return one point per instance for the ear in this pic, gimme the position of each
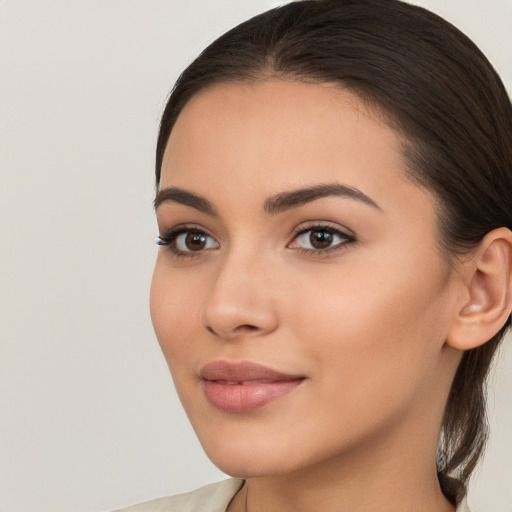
(487, 279)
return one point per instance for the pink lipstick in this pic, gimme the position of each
(243, 387)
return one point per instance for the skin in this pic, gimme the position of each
(365, 322)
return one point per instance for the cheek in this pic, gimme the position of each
(174, 313)
(371, 335)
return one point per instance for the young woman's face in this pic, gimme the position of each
(300, 297)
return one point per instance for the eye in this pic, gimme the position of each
(320, 239)
(185, 240)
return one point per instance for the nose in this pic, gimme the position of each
(241, 302)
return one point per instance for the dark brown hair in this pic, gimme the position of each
(440, 93)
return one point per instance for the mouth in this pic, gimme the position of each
(244, 387)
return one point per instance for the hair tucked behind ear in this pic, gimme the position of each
(443, 97)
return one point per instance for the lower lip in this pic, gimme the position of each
(244, 398)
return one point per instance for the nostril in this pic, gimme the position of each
(237, 331)
(246, 328)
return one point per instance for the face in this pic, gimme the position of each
(300, 297)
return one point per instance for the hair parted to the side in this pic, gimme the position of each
(443, 97)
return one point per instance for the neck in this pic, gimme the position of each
(389, 474)
(384, 488)
(355, 493)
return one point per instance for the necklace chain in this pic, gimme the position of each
(246, 496)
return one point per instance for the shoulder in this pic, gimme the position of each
(210, 498)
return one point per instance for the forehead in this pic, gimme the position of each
(285, 124)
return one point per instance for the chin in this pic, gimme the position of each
(250, 467)
(253, 454)
(249, 456)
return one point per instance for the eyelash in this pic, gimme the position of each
(325, 228)
(169, 239)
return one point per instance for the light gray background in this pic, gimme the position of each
(89, 419)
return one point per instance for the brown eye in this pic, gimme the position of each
(184, 241)
(320, 239)
(195, 241)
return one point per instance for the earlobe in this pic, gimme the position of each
(489, 288)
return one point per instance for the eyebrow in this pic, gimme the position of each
(181, 196)
(288, 200)
(276, 204)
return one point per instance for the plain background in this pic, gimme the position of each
(89, 418)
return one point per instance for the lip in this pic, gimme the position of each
(243, 387)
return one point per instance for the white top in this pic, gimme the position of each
(211, 498)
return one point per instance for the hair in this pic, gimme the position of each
(444, 99)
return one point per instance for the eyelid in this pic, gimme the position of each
(169, 238)
(323, 224)
(336, 229)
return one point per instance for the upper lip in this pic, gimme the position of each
(243, 371)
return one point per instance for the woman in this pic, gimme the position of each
(333, 201)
